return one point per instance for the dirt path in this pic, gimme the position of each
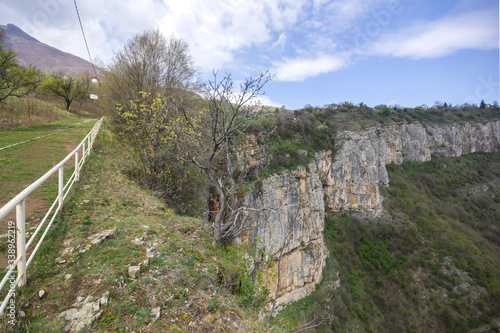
(56, 131)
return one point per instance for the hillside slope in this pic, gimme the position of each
(46, 58)
(117, 260)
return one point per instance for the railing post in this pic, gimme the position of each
(83, 152)
(61, 185)
(21, 241)
(77, 170)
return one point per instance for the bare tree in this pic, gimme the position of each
(211, 135)
(315, 322)
(150, 63)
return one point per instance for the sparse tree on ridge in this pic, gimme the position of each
(66, 87)
(438, 104)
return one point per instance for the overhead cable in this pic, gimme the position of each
(85, 39)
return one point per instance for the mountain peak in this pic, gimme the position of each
(16, 33)
(44, 57)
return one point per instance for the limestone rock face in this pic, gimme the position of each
(352, 181)
(287, 227)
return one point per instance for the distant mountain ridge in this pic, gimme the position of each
(46, 58)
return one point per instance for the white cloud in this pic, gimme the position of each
(107, 24)
(348, 9)
(302, 68)
(219, 31)
(265, 100)
(475, 30)
(216, 30)
(330, 18)
(280, 43)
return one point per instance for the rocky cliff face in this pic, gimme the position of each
(288, 216)
(287, 227)
(352, 181)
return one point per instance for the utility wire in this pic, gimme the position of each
(85, 39)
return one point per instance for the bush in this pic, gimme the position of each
(235, 274)
(375, 254)
(296, 137)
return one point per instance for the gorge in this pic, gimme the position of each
(291, 230)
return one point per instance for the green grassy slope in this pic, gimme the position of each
(195, 284)
(34, 109)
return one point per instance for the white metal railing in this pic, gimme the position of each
(19, 203)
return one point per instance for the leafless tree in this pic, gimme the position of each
(211, 135)
(150, 63)
(315, 322)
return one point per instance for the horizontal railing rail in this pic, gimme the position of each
(17, 257)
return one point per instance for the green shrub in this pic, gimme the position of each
(295, 139)
(235, 274)
(375, 254)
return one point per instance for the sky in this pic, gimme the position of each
(394, 52)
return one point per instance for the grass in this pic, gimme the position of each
(23, 164)
(186, 269)
(14, 136)
(35, 110)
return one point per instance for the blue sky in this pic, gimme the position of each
(377, 52)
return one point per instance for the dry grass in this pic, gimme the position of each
(35, 110)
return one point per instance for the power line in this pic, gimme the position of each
(85, 39)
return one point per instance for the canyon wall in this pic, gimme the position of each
(288, 208)
(352, 181)
(287, 226)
